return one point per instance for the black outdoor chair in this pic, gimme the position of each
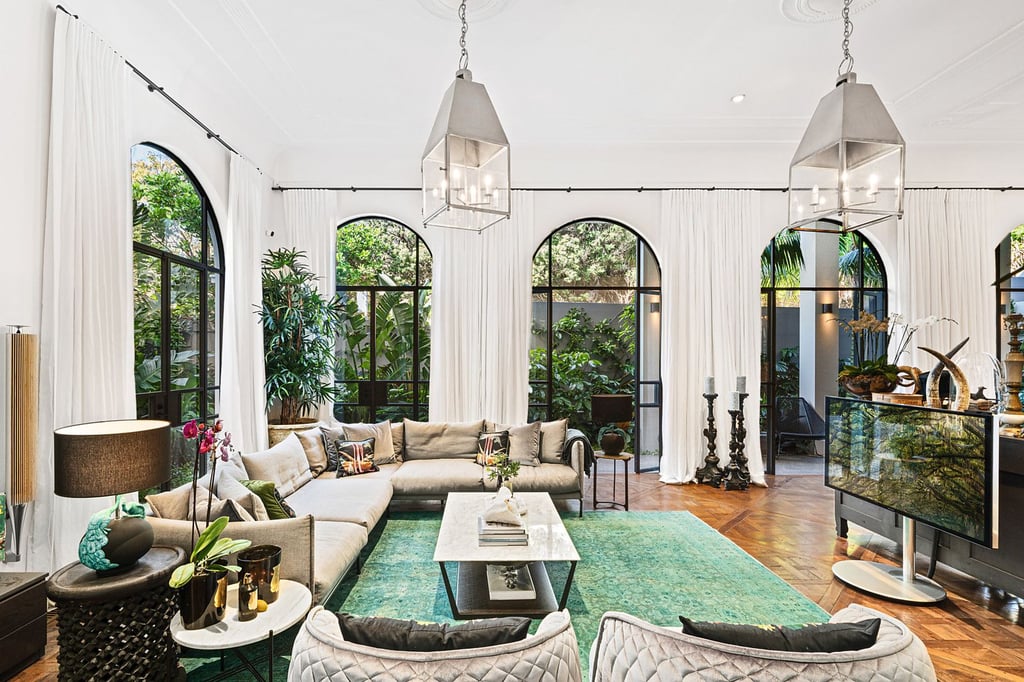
(797, 420)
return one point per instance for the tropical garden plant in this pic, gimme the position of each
(300, 328)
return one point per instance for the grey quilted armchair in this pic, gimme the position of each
(320, 654)
(628, 649)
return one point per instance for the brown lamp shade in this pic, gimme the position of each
(611, 409)
(111, 457)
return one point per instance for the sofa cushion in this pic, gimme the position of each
(441, 440)
(411, 635)
(336, 546)
(818, 637)
(217, 508)
(384, 447)
(229, 487)
(362, 500)
(173, 504)
(552, 440)
(398, 440)
(285, 464)
(547, 478)
(355, 457)
(435, 478)
(524, 442)
(268, 493)
(313, 445)
(490, 446)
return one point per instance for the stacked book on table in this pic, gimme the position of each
(491, 534)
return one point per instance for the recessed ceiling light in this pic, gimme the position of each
(736, 99)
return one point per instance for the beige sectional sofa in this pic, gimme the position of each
(334, 515)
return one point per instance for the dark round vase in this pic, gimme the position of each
(203, 600)
(128, 539)
(612, 443)
(263, 562)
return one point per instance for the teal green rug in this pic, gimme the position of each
(654, 565)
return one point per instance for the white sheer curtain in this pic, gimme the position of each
(711, 319)
(87, 330)
(480, 320)
(310, 225)
(505, 311)
(942, 263)
(242, 395)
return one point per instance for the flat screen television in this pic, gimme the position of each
(937, 467)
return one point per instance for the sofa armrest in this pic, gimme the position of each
(576, 462)
(293, 536)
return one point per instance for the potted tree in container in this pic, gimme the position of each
(300, 329)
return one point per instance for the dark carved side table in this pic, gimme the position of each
(22, 620)
(116, 627)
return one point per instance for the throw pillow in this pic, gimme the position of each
(824, 637)
(441, 440)
(398, 439)
(229, 508)
(229, 487)
(173, 504)
(276, 507)
(355, 457)
(408, 635)
(490, 446)
(524, 442)
(384, 447)
(285, 464)
(313, 445)
(552, 440)
(331, 436)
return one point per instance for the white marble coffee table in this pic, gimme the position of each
(457, 542)
(291, 606)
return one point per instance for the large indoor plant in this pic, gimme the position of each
(300, 330)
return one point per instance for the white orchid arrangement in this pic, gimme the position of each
(902, 331)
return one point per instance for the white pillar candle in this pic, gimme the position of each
(734, 404)
(741, 384)
(709, 385)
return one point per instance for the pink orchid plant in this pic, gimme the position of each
(212, 441)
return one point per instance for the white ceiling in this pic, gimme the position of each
(332, 76)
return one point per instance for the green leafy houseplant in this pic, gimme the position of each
(208, 553)
(869, 368)
(300, 328)
(503, 469)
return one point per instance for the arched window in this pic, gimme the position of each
(383, 280)
(807, 280)
(1009, 283)
(597, 329)
(179, 277)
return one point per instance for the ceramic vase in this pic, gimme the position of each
(203, 600)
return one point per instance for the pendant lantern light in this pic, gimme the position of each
(466, 161)
(849, 167)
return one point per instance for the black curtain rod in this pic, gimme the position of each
(153, 87)
(569, 190)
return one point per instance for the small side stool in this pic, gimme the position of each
(116, 627)
(625, 458)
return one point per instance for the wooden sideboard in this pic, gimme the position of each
(1002, 568)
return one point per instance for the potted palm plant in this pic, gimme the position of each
(300, 330)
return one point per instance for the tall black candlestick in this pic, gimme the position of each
(710, 473)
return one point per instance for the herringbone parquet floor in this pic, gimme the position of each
(976, 634)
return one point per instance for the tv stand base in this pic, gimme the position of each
(886, 581)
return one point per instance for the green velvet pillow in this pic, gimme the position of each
(277, 508)
(824, 637)
(409, 635)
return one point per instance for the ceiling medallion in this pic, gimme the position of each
(813, 11)
(479, 11)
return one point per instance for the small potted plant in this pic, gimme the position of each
(202, 582)
(300, 330)
(503, 469)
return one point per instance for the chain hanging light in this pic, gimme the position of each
(466, 161)
(848, 168)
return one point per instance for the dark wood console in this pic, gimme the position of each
(1002, 568)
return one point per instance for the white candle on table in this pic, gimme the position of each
(741, 384)
(709, 385)
(734, 404)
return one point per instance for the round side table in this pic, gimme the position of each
(623, 457)
(115, 627)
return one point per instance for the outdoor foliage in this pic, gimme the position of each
(299, 331)
(591, 254)
(587, 359)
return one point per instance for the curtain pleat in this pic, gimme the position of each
(311, 225)
(242, 394)
(87, 328)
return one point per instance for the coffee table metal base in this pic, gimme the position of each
(471, 599)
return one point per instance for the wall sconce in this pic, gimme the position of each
(655, 306)
(826, 308)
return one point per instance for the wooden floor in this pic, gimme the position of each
(975, 634)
